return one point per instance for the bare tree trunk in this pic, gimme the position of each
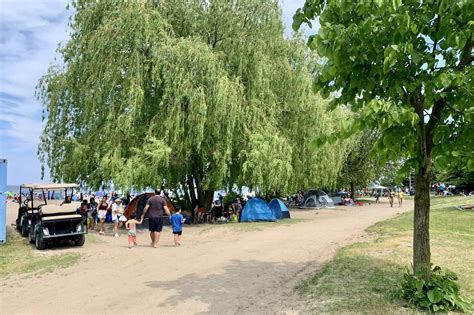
(192, 192)
(208, 196)
(421, 223)
(353, 188)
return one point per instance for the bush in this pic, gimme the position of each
(439, 294)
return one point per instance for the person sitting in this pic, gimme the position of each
(66, 200)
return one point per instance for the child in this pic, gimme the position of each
(131, 226)
(177, 221)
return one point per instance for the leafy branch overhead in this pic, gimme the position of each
(205, 93)
(399, 62)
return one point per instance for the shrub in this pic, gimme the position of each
(439, 293)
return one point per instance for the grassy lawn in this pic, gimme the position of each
(364, 277)
(19, 256)
(250, 226)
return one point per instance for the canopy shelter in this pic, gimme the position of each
(46, 186)
(138, 204)
(279, 209)
(257, 210)
(377, 186)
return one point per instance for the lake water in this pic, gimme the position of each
(13, 188)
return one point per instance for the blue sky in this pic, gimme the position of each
(30, 31)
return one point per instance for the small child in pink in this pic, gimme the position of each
(131, 226)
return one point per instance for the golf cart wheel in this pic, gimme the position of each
(24, 230)
(30, 238)
(40, 244)
(80, 241)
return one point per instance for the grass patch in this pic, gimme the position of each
(19, 256)
(250, 226)
(365, 277)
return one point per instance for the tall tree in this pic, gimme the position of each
(360, 167)
(404, 67)
(195, 94)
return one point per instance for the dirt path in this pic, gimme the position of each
(218, 270)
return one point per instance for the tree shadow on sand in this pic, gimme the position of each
(244, 287)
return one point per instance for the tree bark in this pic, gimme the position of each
(208, 196)
(192, 192)
(353, 190)
(421, 223)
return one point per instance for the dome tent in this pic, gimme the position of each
(280, 211)
(317, 199)
(256, 210)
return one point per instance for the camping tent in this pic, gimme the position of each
(256, 210)
(280, 211)
(138, 204)
(317, 199)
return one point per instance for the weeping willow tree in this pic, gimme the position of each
(196, 94)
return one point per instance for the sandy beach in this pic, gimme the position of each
(220, 269)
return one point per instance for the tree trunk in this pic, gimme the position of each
(353, 188)
(208, 196)
(192, 192)
(421, 222)
(199, 190)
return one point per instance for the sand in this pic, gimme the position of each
(219, 269)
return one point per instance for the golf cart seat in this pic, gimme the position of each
(55, 209)
(62, 217)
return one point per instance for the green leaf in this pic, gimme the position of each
(445, 80)
(434, 295)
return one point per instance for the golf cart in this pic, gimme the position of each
(46, 214)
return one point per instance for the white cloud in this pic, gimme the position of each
(30, 32)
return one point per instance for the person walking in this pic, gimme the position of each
(390, 198)
(102, 214)
(400, 198)
(116, 214)
(158, 210)
(131, 226)
(177, 221)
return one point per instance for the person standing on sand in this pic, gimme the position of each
(102, 214)
(116, 214)
(401, 195)
(158, 209)
(390, 198)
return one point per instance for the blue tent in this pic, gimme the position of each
(280, 211)
(256, 210)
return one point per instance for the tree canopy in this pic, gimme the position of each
(196, 94)
(404, 67)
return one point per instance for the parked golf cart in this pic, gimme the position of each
(46, 214)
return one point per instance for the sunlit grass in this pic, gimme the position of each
(364, 277)
(18, 256)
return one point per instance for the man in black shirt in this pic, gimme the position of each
(158, 209)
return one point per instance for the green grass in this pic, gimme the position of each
(365, 277)
(17, 256)
(250, 226)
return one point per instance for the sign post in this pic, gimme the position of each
(3, 201)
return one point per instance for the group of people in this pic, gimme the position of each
(220, 212)
(96, 213)
(399, 195)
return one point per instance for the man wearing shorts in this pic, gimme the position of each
(158, 210)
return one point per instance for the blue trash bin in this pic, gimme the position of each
(3, 201)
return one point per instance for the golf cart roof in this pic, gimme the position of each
(49, 186)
